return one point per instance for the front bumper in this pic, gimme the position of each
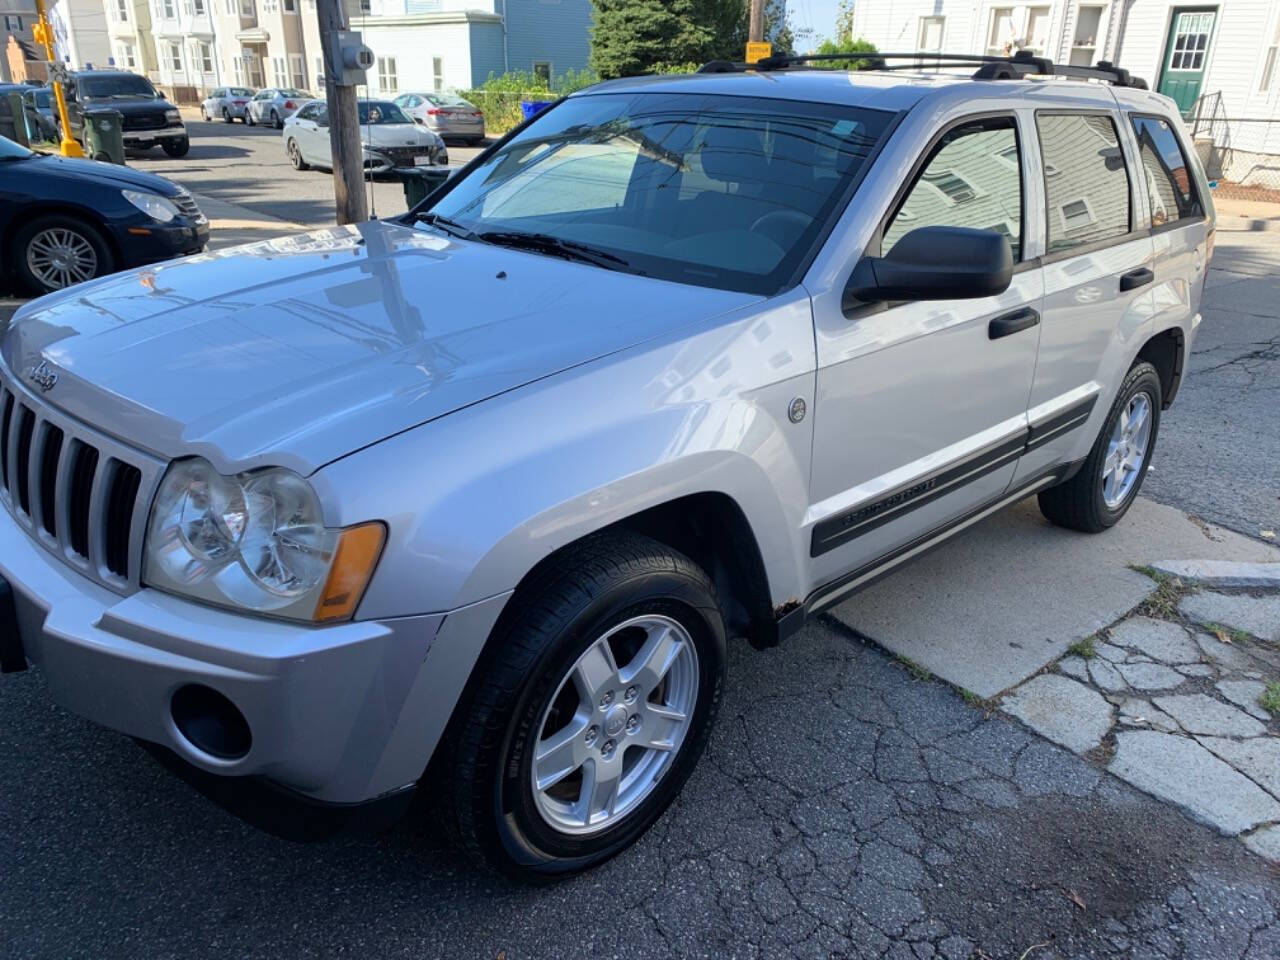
(340, 714)
(138, 138)
(162, 242)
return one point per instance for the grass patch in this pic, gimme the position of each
(1269, 699)
(1086, 648)
(1162, 603)
(1229, 634)
(913, 668)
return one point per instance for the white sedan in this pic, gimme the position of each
(390, 139)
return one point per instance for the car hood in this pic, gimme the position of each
(300, 350)
(396, 135)
(70, 168)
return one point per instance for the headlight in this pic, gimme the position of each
(153, 205)
(257, 542)
(173, 116)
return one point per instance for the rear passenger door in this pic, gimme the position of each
(921, 406)
(1098, 276)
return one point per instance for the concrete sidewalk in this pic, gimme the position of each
(231, 224)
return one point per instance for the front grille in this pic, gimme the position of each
(144, 121)
(404, 154)
(77, 492)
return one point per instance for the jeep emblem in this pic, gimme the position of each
(42, 376)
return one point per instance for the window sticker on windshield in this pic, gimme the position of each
(842, 128)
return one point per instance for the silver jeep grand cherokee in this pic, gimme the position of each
(473, 500)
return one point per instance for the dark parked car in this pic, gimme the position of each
(39, 125)
(149, 119)
(63, 221)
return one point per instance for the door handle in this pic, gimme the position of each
(1011, 323)
(1136, 278)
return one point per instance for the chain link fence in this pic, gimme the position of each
(1241, 153)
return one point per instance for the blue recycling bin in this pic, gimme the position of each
(530, 107)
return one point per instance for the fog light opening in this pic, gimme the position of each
(211, 722)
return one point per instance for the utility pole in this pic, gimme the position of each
(344, 118)
(43, 34)
(755, 25)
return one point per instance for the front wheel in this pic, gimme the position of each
(589, 709)
(57, 251)
(177, 148)
(226, 115)
(1108, 483)
(248, 118)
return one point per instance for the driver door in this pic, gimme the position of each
(921, 406)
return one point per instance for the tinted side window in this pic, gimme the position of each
(972, 179)
(1085, 182)
(308, 112)
(1173, 192)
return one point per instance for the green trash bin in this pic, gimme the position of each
(13, 119)
(419, 182)
(104, 135)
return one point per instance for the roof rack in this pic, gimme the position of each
(1017, 66)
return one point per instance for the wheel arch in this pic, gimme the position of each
(1166, 352)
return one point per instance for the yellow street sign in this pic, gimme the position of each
(758, 51)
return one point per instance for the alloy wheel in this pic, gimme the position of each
(59, 257)
(614, 725)
(1126, 450)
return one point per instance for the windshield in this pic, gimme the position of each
(719, 191)
(117, 85)
(240, 92)
(12, 151)
(381, 111)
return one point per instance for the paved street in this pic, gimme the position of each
(850, 805)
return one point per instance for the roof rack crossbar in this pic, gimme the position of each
(1016, 66)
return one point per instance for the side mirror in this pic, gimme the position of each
(934, 263)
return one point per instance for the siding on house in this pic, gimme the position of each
(547, 31)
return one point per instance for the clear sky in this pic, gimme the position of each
(818, 14)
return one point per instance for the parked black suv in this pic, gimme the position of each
(149, 119)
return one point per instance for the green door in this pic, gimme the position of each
(1186, 54)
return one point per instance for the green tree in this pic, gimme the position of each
(630, 37)
(846, 46)
(844, 21)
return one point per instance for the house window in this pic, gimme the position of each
(278, 75)
(1036, 36)
(1001, 35)
(237, 69)
(206, 57)
(270, 6)
(1269, 61)
(387, 75)
(248, 8)
(198, 6)
(956, 187)
(437, 73)
(231, 7)
(296, 69)
(290, 6)
(320, 84)
(542, 68)
(1076, 214)
(175, 58)
(170, 10)
(124, 51)
(120, 11)
(931, 30)
(366, 6)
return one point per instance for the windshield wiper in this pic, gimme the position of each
(451, 227)
(556, 246)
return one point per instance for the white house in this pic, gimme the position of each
(1218, 59)
(80, 33)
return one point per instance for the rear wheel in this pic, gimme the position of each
(57, 251)
(275, 121)
(1108, 483)
(590, 707)
(226, 115)
(248, 118)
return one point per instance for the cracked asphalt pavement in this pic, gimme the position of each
(1219, 443)
(844, 809)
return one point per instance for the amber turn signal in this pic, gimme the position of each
(354, 561)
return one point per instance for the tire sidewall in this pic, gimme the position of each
(1141, 379)
(525, 838)
(106, 259)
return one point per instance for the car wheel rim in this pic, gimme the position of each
(59, 257)
(611, 732)
(293, 154)
(1126, 450)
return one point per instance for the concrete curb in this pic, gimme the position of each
(1223, 573)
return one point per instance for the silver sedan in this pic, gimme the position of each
(229, 103)
(389, 139)
(446, 114)
(274, 105)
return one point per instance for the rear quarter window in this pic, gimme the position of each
(1170, 185)
(1086, 183)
